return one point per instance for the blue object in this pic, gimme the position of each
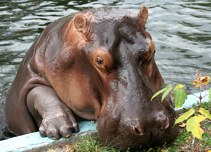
(34, 140)
(194, 98)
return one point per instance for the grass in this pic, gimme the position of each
(90, 143)
(184, 142)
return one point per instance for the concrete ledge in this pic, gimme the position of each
(34, 140)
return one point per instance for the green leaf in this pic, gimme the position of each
(180, 95)
(167, 91)
(179, 86)
(210, 94)
(158, 93)
(193, 126)
(205, 113)
(185, 116)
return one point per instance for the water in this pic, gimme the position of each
(181, 31)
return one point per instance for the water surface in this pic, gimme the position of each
(180, 29)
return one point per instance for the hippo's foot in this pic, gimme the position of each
(59, 124)
(53, 117)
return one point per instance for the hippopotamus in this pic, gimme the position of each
(97, 64)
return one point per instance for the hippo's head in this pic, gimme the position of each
(112, 77)
(128, 117)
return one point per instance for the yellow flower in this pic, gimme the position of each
(205, 80)
(196, 83)
(199, 81)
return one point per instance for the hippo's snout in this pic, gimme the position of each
(160, 123)
(129, 122)
(135, 133)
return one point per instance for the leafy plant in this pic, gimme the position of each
(194, 116)
(180, 94)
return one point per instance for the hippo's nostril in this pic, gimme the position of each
(166, 123)
(138, 130)
(163, 120)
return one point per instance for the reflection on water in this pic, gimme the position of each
(181, 31)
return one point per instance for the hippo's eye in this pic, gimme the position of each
(99, 60)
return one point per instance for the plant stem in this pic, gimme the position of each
(192, 144)
(197, 146)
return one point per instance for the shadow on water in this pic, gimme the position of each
(180, 29)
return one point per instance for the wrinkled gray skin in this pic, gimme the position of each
(97, 65)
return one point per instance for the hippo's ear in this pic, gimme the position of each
(80, 23)
(143, 15)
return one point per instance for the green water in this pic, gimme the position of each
(181, 31)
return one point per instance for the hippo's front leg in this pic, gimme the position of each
(52, 116)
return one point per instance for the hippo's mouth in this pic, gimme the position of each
(112, 133)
